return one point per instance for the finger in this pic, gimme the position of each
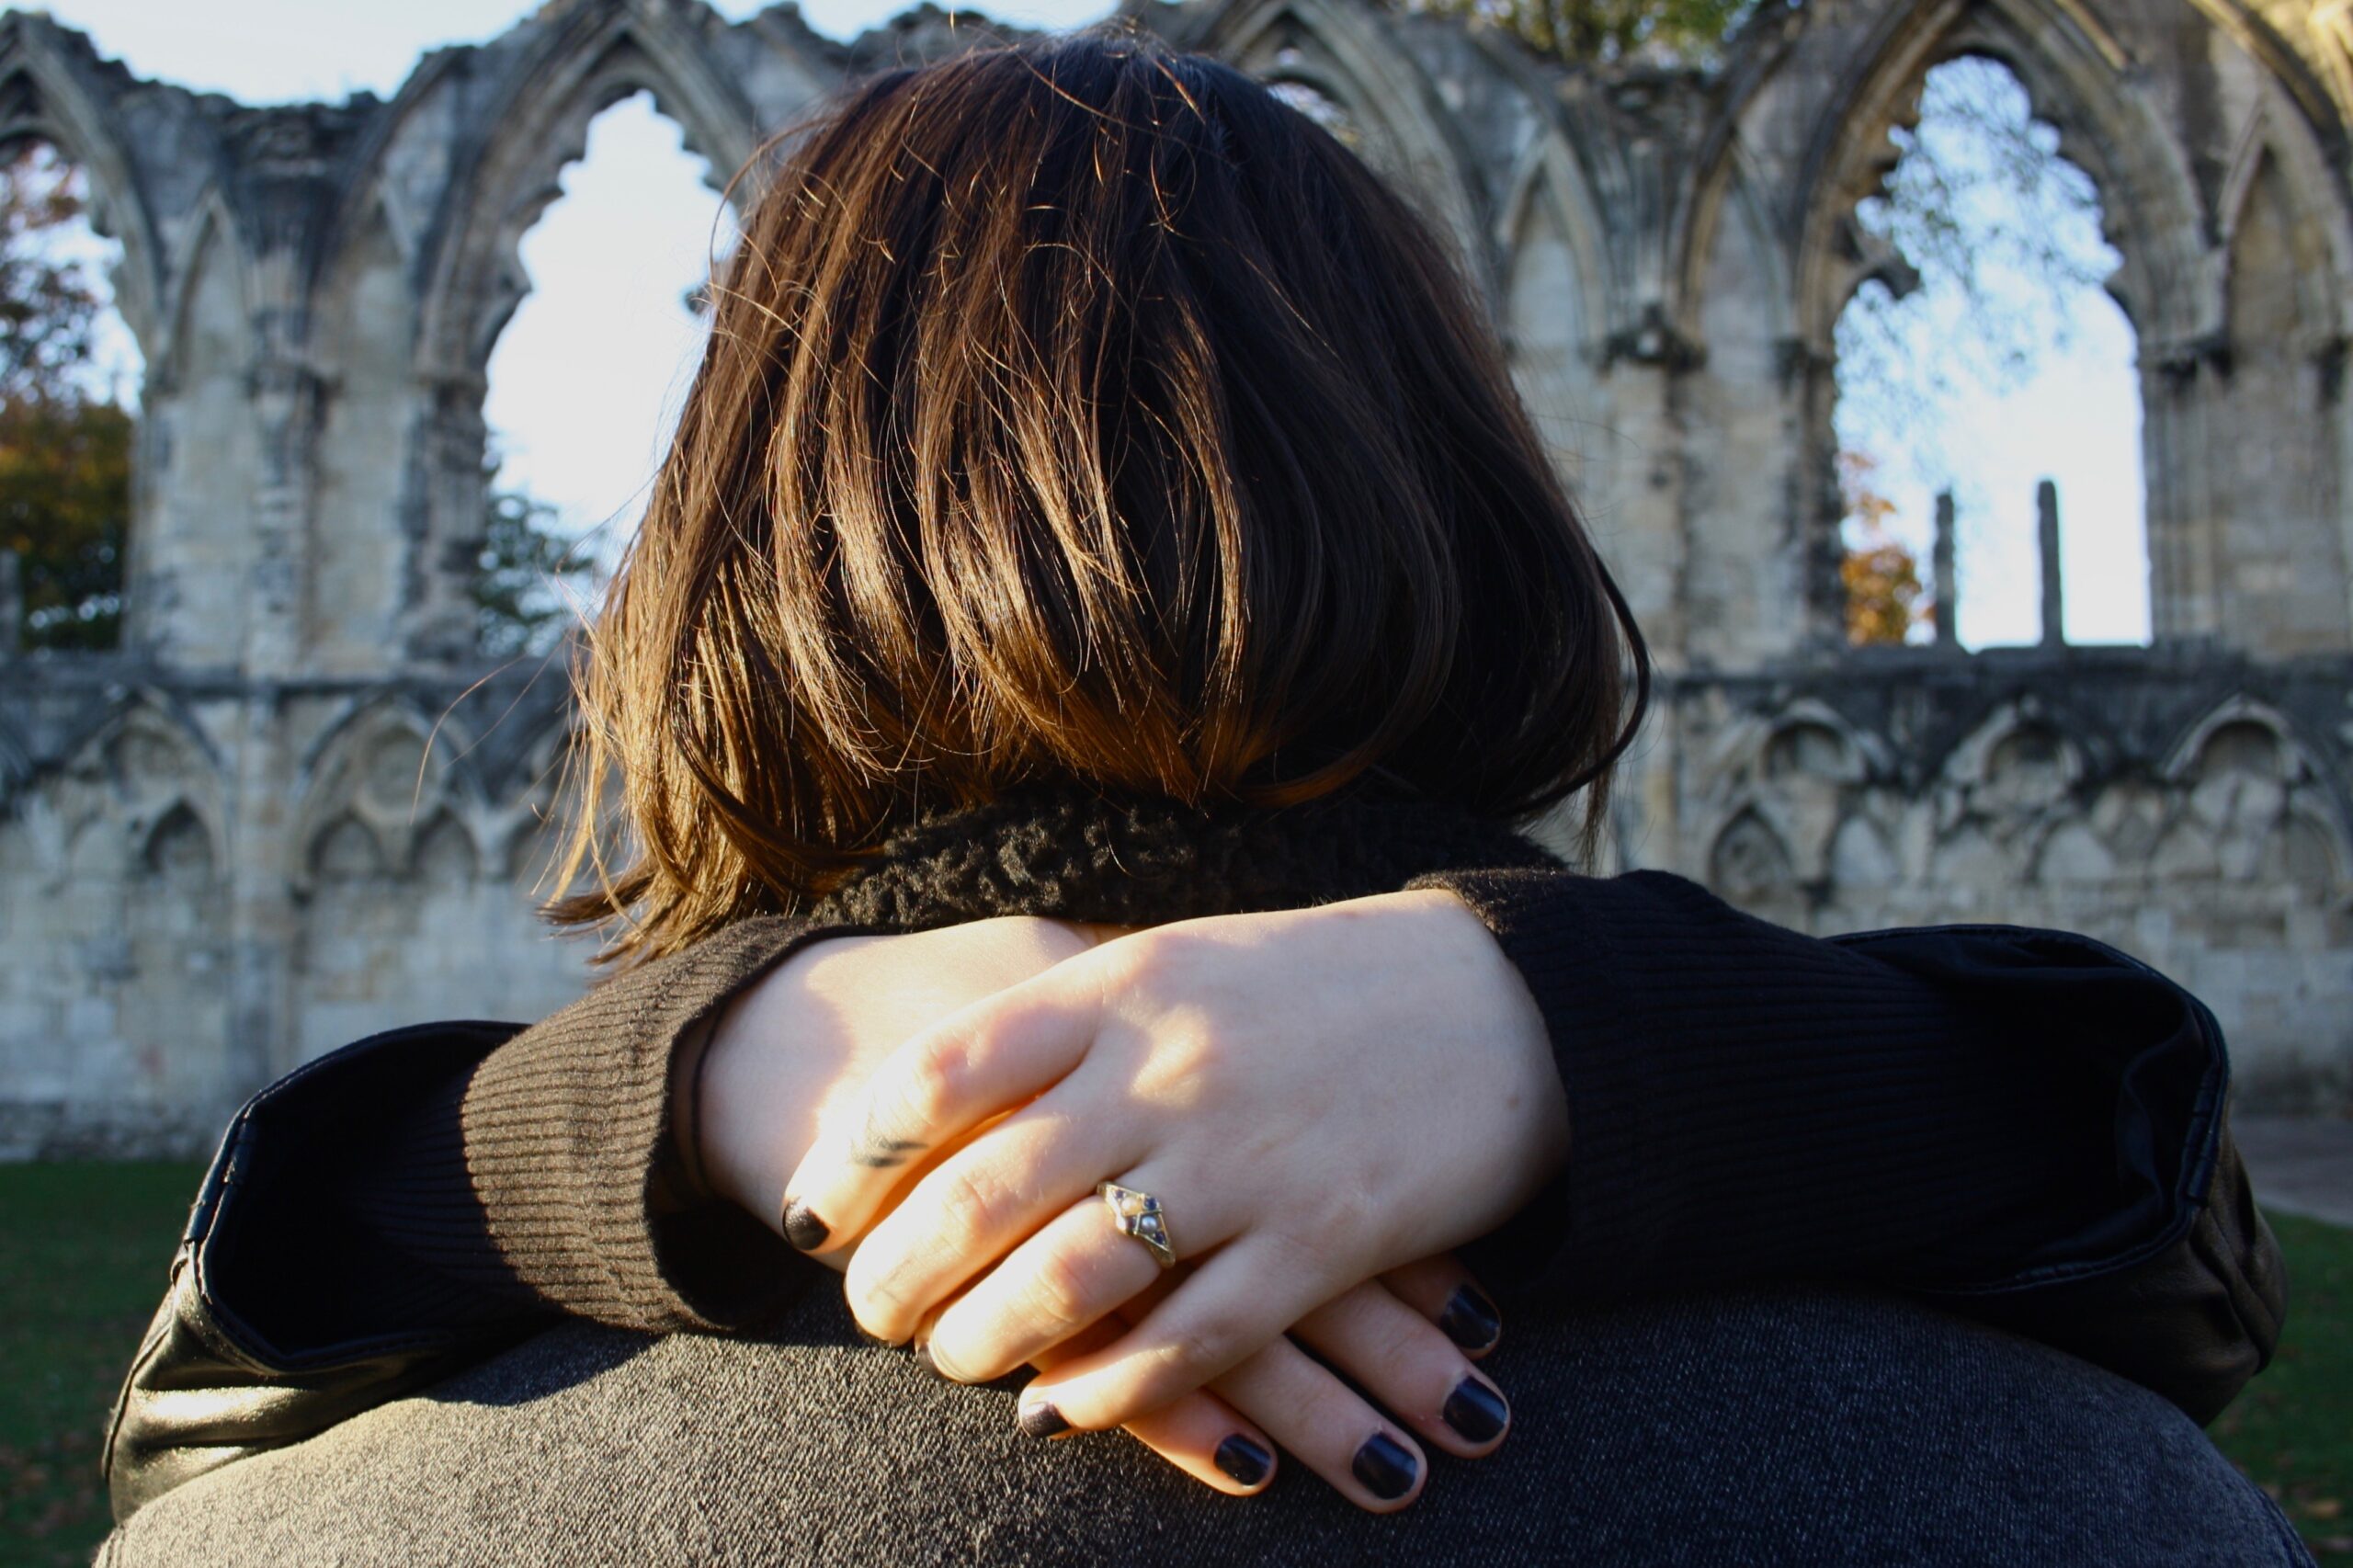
(1321, 1422)
(988, 1200)
(1230, 1307)
(1073, 1273)
(986, 1059)
(1210, 1441)
(1409, 1368)
(1442, 1291)
(1201, 1434)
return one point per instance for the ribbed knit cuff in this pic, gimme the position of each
(1596, 1211)
(567, 1134)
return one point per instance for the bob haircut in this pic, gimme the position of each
(1079, 411)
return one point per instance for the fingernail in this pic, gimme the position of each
(801, 1228)
(1245, 1461)
(1385, 1466)
(1041, 1420)
(1475, 1411)
(1470, 1320)
(921, 1350)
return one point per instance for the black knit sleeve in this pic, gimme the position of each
(1942, 1108)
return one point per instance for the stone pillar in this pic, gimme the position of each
(1948, 575)
(12, 603)
(288, 396)
(445, 522)
(2046, 531)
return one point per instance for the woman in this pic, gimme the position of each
(1102, 500)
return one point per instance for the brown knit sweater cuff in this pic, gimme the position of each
(567, 1135)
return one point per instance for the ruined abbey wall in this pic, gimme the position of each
(297, 807)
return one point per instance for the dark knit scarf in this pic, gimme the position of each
(1077, 854)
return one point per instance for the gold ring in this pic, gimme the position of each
(1139, 1214)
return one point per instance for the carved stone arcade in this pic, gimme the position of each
(297, 807)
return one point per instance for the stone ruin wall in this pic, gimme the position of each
(297, 807)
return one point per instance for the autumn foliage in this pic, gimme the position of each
(1882, 577)
(66, 440)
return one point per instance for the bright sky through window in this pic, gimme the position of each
(585, 381)
(2009, 364)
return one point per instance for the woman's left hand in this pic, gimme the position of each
(1315, 1096)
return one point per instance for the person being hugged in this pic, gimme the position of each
(1051, 771)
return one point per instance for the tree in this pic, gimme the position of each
(65, 439)
(64, 493)
(1607, 29)
(1882, 577)
(530, 580)
(1998, 239)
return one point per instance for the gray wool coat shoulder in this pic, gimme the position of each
(1778, 1427)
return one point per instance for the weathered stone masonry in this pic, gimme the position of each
(291, 810)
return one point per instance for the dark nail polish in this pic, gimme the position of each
(801, 1228)
(1041, 1420)
(1385, 1466)
(1475, 1411)
(1244, 1459)
(1470, 1320)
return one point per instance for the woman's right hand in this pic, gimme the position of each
(806, 1036)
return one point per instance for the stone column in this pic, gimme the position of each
(12, 603)
(1948, 575)
(2046, 531)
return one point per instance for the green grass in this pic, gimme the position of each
(2293, 1430)
(84, 1253)
(85, 1250)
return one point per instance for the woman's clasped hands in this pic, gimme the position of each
(1323, 1102)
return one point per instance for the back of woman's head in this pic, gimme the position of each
(1078, 412)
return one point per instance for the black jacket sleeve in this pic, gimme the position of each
(404, 1206)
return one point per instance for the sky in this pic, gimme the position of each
(634, 232)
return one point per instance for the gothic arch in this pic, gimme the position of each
(43, 93)
(2188, 750)
(143, 766)
(2323, 97)
(1548, 187)
(1732, 190)
(209, 239)
(1807, 737)
(382, 782)
(2281, 332)
(594, 57)
(1349, 55)
(2251, 803)
(2001, 741)
(1750, 862)
(2269, 165)
(2075, 78)
(151, 710)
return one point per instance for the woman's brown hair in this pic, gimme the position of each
(1079, 411)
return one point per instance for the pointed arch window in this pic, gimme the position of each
(585, 381)
(70, 382)
(1981, 356)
